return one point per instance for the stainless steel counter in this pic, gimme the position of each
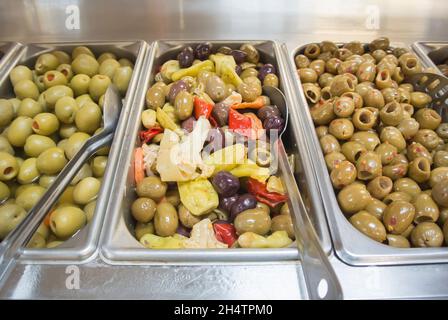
(293, 22)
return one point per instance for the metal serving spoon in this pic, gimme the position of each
(19, 237)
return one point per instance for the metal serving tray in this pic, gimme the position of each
(7, 50)
(350, 245)
(422, 48)
(118, 244)
(83, 245)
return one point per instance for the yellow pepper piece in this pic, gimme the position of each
(193, 70)
(151, 241)
(279, 239)
(198, 196)
(250, 169)
(227, 158)
(275, 185)
(165, 120)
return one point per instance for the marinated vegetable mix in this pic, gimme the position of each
(58, 106)
(384, 148)
(203, 168)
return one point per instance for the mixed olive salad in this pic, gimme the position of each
(203, 165)
(385, 148)
(58, 106)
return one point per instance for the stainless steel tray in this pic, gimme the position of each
(83, 245)
(7, 50)
(350, 245)
(118, 244)
(422, 48)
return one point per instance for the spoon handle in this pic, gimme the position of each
(19, 237)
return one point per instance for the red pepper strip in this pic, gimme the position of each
(261, 193)
(225, 233)
(202, 108)
(257, 126)
(256, 104)
(240, 123)
(147, 135)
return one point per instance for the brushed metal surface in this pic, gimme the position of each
(422, 48)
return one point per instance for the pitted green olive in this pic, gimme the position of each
(367, 139)
(408, 186)
(368, 165)
(352, 150)
(353, 198)
(369, 225)
(398, 216)
(376, 207)
(397, 241)
(253, 220)
(343, 174)
(380, 187)
(329, 144)
(332, 159)
(166, 219)
(427, 234)
(425, 208)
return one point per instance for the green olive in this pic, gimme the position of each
(143, 209)
(80, 84)
(99, 164)
(10, 216)
(88, 118)
(253, 220)
(43, 230)
(67, 196)
(364, 119)
(125, 63)
(343, 174)
(20, 73)
(397, 241)
(329, 144)
(368, 165)
(427, 234)
(65, 109)
(380, 187)
(369, 225)
(398, 216)
(46, 62)
(9, 167)
(215, 88)
(5, 146)
(46, 180)
(143, 228)
(85, 64)
(353, 198)
(66, 221)
(30, 196)
(183, 105)
(342, 129)
(250, 89)
(437, 175)
(417, 150)
(53, 94)
(45, 124)
(428, 118)
(420, 169)
(26, 89)
(301, 61)
(408, 128)
(98, 86)
(121, 78)
(307, 75)
(6, 112)
(186, 218)
(166, 219)
(173, 197)
(270, 80)
(28, 171)
(441, 158)
(5, 192)
(368, 140)
(387, 152)
(152, 187)
(84, 172)
(408, 186)
(29, 108)
(321, 131)
(425, 208)
(155, 97)
(74, 143)
(332, 159)
(376, 207)
(420, 99)
(86, 190)
(51, 161)
(89, 210)
(343, 106)
(393, 136)
(108, 67)
(37, 242)
(66, 70)
(53, 78)
(36, 144)
(283, 222)
(322, 114)
(341, 84)
(352, 150)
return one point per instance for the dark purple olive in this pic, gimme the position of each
(220, 113)
(273, 123)
(186, 57)
(226, 204)
(238, 69)
(245, 202)
(176, 87)
(188, 124)
(216, 139)
(265, 70)
(239, 56)
(267, 112)
(203, 50)
(182, 230)
(225, 50)
(225, 183)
